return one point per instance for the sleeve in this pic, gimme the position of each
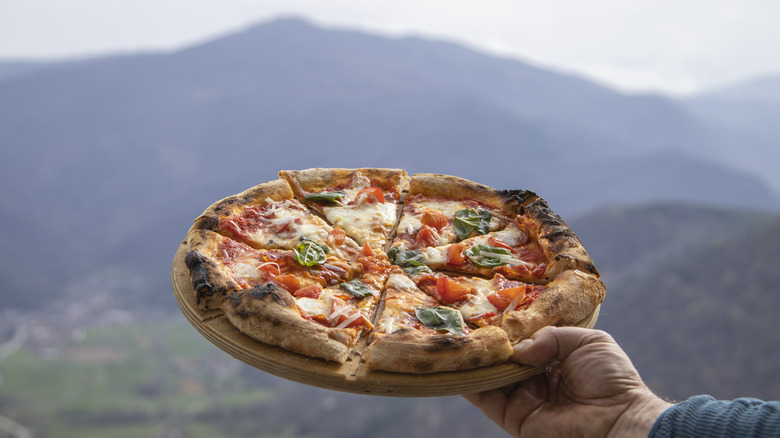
(702, 415)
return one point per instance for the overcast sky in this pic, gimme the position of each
(670, 46)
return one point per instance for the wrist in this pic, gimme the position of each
(639, 417)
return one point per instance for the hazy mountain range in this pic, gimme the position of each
(105, 162)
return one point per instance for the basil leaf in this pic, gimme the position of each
(410, 260)
(356, 288)
(467, 221)
(441, 318)
(310, 253)
(412, 256)
(392, 253)
(415, 269)
(488, 256)
(325, 196)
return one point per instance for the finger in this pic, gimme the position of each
(523, 402)
(555, 343)
(492, 403)
(510, 406)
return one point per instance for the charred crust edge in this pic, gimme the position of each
(199, 274)
(277, 293)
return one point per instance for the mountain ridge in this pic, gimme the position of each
(119, 154)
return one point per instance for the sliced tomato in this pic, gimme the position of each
(311, 291)
(370, 195)
(289, 282)
(427, 236)
(455, 255)
(505, 297)
(434, 218)
(450, 291)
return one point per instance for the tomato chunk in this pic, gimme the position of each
(338, 235)
(311, 291)
(366, 251)
(434, 218)
(289, 282)
(455, 255)
(427, 236)
(450, 291)
(506, 297)
(370, 195)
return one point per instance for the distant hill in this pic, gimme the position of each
(750, 110)
(692, 296)
(107, 161)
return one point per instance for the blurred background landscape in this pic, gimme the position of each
(106, 160)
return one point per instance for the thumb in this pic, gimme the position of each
(555, 343)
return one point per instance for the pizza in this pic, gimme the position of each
(409, 274)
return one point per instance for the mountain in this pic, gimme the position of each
(750, 111)
(106, 161)
(691, 295)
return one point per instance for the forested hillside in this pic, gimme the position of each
(693, 295)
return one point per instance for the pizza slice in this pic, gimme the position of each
(481, 301)
(323, 322)
(519, 308)
(268, 216)
(272, 315)
(362, 202)
(443, 209)
(535, 247)
(327, 296)
(416, 334)
(219, 265)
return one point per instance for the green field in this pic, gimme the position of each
(159, 379)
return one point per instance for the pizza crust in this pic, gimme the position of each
(210, 279)
(318, 179)
(410, 351)
(258, 196)
(568, 299)
(269, 314)
(561, 246)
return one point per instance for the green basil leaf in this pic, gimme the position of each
(441, 318)
(332, 196)
(356, 288)
(415, 269)
(410, 256)
(488, 256)
(410, 260)
(467, 221)
(392, 253)
(310, 253)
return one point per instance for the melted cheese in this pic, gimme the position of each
(313, 306)
(476, 306)
(364, 222)
(409, 224)
(434, 256)
(400, 303)
(245, 268)
(294, 220)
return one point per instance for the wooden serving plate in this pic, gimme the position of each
(352, 376)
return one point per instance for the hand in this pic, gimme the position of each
(590, 389)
